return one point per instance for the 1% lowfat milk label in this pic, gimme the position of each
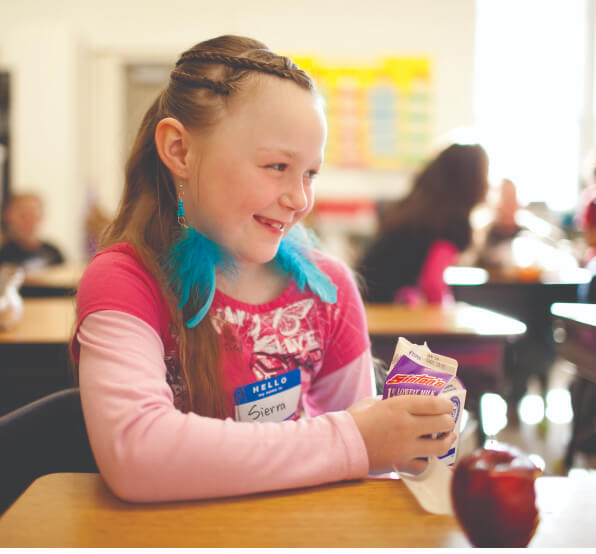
(274, 399)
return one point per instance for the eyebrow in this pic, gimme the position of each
(289, 153)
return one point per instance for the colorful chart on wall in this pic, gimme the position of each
(379, 115)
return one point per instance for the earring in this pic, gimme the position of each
(180, 211)
(191, 266)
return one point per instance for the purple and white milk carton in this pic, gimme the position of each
(416, 370)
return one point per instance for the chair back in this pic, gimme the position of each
(44, 436)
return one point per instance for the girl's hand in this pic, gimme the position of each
(392, 429)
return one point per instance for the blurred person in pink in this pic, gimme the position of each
(423, 233)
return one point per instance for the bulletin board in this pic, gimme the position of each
(379, 115)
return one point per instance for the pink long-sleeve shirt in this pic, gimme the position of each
(147, 449)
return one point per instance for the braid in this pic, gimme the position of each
(219, 87)
(286, 70)
(238, 62)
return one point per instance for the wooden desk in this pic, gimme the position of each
(34, 356)
(44, 321)
(77, 510)
(56, 280)
(477, 338)
(456, 322)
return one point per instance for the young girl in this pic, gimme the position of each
(206, 325)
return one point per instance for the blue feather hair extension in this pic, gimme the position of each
(292, 259)
(191, 266)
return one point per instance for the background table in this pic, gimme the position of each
(44, 321)
(577, 342)
(34, 356)
(77, 510)
(56, 280)
(575, 330)
(527, 298)
(460, 321)
(478, 338)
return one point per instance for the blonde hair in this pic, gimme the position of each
(205, 79)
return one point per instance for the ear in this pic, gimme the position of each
(172, 141)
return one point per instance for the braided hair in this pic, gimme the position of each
(262, 60)
(204, 80)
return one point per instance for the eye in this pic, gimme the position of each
(311, 174)
(278, 167)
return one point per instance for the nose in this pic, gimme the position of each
(294, 195)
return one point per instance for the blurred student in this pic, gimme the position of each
(516, 239)
(208, 326)
(423, 233)
(22, 217)
(495, 251)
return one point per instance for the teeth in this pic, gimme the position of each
(271, 223)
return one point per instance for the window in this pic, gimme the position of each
(530, 95)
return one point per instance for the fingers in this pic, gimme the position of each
(424, 449)
(392, 429)
(429, 405)
(434, 447)
(430, 425)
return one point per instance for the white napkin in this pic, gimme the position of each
(432, 487)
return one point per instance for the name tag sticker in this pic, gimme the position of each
(273, 399)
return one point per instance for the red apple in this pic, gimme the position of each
(494, 497)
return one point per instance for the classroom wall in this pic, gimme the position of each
(67, 60)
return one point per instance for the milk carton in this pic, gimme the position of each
(415, 369)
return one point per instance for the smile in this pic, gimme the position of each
(271, 223)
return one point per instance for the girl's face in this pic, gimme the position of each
(254, 170)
